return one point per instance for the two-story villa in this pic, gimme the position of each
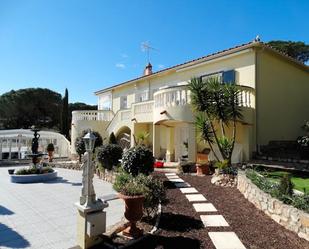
(275, 90)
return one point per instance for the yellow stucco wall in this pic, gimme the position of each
(282, 98)
(243, 63)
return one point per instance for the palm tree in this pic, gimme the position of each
(216, 103)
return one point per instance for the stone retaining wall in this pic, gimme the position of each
(287, 216)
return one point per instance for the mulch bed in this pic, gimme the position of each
(180, 225)
(255, 229)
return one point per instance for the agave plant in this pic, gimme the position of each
(216, 103)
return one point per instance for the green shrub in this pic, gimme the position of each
(99, 140)
(50, 147)
(186, 167)
(109, 155)
(126, 184)
(155, 193)
(286, 185)
(112, 139)
(80, 147)
(282, 191)
(138, 159)
(33, 170)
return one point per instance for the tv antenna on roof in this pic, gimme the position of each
(146, 48)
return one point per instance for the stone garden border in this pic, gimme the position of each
(291, 218)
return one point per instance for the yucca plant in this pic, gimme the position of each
(216, 103)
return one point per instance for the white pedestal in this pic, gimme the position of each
(91, 223)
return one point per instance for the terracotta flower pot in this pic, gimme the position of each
(133, 213)
(50, 155)
(202, 169)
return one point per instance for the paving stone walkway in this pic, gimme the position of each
(43, 215)
(221, 240)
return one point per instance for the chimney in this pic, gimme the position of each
(148, 69)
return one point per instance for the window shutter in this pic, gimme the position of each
(229, 77)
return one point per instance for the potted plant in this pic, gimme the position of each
(50, 149)
(202, 168)
(11, 171)
(131, 191)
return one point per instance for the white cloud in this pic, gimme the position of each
(123, 55)
(161, 66)
(120, 65)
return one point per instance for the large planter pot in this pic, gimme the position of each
(133, 213)
(202, 169)
(11, 171)
(50, 155)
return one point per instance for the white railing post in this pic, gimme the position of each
(10, 148)
(0, 148)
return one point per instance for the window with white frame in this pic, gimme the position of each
(142, 96)
(123, 102)
(105, 102)
(225, 77)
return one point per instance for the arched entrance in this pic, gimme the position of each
(123, 137)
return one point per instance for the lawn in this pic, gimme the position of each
(301, 182)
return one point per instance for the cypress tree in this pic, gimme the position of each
(65, 126)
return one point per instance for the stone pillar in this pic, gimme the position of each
(91, 223)
(192, 143)
(156, 140)
(170, 146)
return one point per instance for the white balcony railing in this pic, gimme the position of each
(247, 97)
(174, 96)
(125, 115)
(143, 107)
(99, 115)
(180, 96)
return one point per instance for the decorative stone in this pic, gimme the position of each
(204, 207)
(304, 220)
(226, 240)
(214, 221)
(195, 197)
(216, 178)
(188, 190)
(276, 218)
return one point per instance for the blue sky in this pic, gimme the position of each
(89, 45)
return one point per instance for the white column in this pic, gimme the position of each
(170, 148)
(156, 140)
(19, 145)
(192, 143)
(10, 148)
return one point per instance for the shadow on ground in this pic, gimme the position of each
(5, 211)
(155, 242)
(179, 222)
(62, 180)
(160, 242)
(8, 237)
